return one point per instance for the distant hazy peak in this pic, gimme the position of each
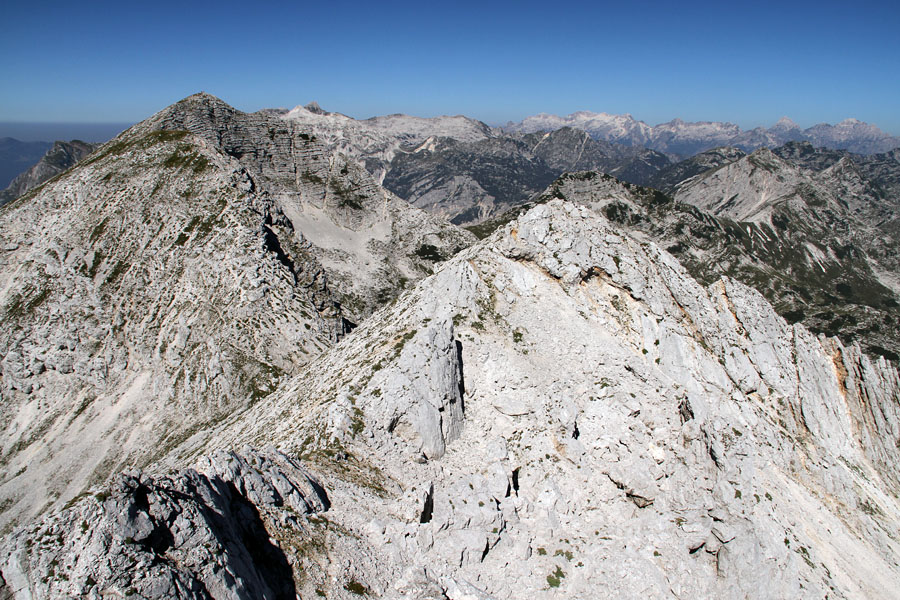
(686, 138)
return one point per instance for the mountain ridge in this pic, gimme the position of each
(458, 462)
(689, 138)
(237, 366)
(175, 275)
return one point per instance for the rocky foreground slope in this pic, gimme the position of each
(176, 276)
(559, 411)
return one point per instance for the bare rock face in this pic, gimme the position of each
(196, 534)
(173, 278)
(810, 270)
(624, 428)
(425, 399)
(560, 410)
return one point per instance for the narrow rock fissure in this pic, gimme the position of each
(428, 507)
(461, 383)
(274, 245)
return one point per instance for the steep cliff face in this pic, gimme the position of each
(174, 277)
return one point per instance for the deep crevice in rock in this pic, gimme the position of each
(685, 411)
(274, 245)
(462, 382)
(428, 507)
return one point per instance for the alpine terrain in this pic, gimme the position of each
(239, 360)
(686, 138)
(57, 159)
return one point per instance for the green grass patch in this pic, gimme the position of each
(555, 578)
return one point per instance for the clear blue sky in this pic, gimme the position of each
(748, 63)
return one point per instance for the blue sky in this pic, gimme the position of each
(748, 63)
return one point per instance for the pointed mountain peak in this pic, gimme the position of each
(785, 123)
(201, 105)
(203, 98)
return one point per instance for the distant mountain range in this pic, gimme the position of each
(688, 138)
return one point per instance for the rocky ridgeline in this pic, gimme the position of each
(375, 142)
(142, 301)
(173, 278)
(562, 409)
(557, 410)
(368, 241)
(810, 268)
(689, 138)
(462, 169)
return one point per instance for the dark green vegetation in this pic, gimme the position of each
(347, 198)
(430, 253)
(356, 587)
(186, 157)
(121, 146)
(555, 578)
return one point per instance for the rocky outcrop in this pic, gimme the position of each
(62, 156)
(195, 534)
(173, 278)
(623, 428)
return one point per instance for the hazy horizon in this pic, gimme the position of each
(49, 131)
(54, 131)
